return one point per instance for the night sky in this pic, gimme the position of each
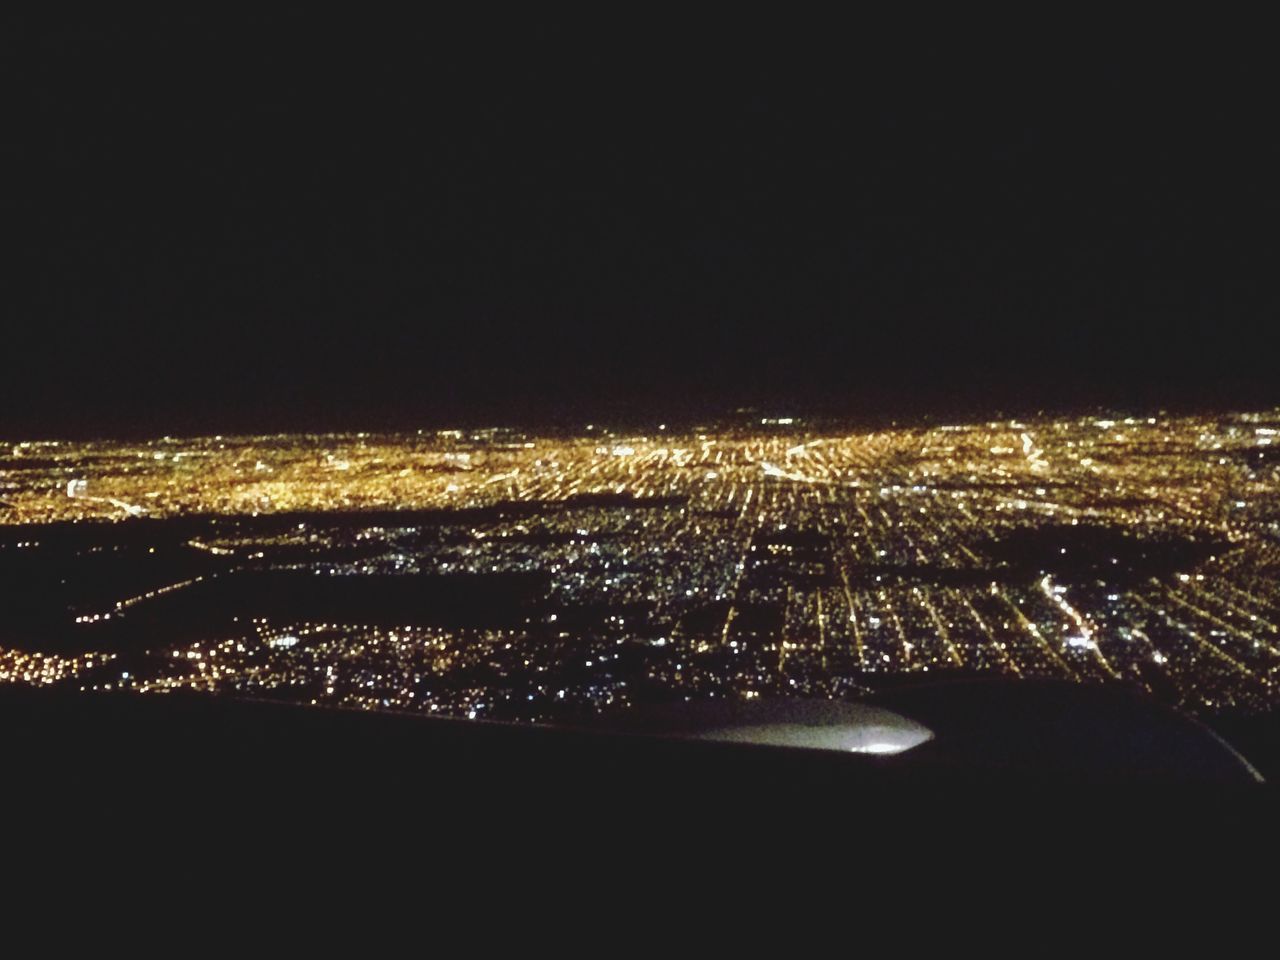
(291, 224)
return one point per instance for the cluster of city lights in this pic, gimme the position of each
(762, 556)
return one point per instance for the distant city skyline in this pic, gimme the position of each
(554, 577)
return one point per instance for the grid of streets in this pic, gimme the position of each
(555, 576)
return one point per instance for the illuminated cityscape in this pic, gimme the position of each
(558, 576)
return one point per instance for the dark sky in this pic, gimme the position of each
(267, 224)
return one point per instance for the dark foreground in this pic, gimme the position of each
(987, 736)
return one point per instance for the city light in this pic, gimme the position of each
(560, 575)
